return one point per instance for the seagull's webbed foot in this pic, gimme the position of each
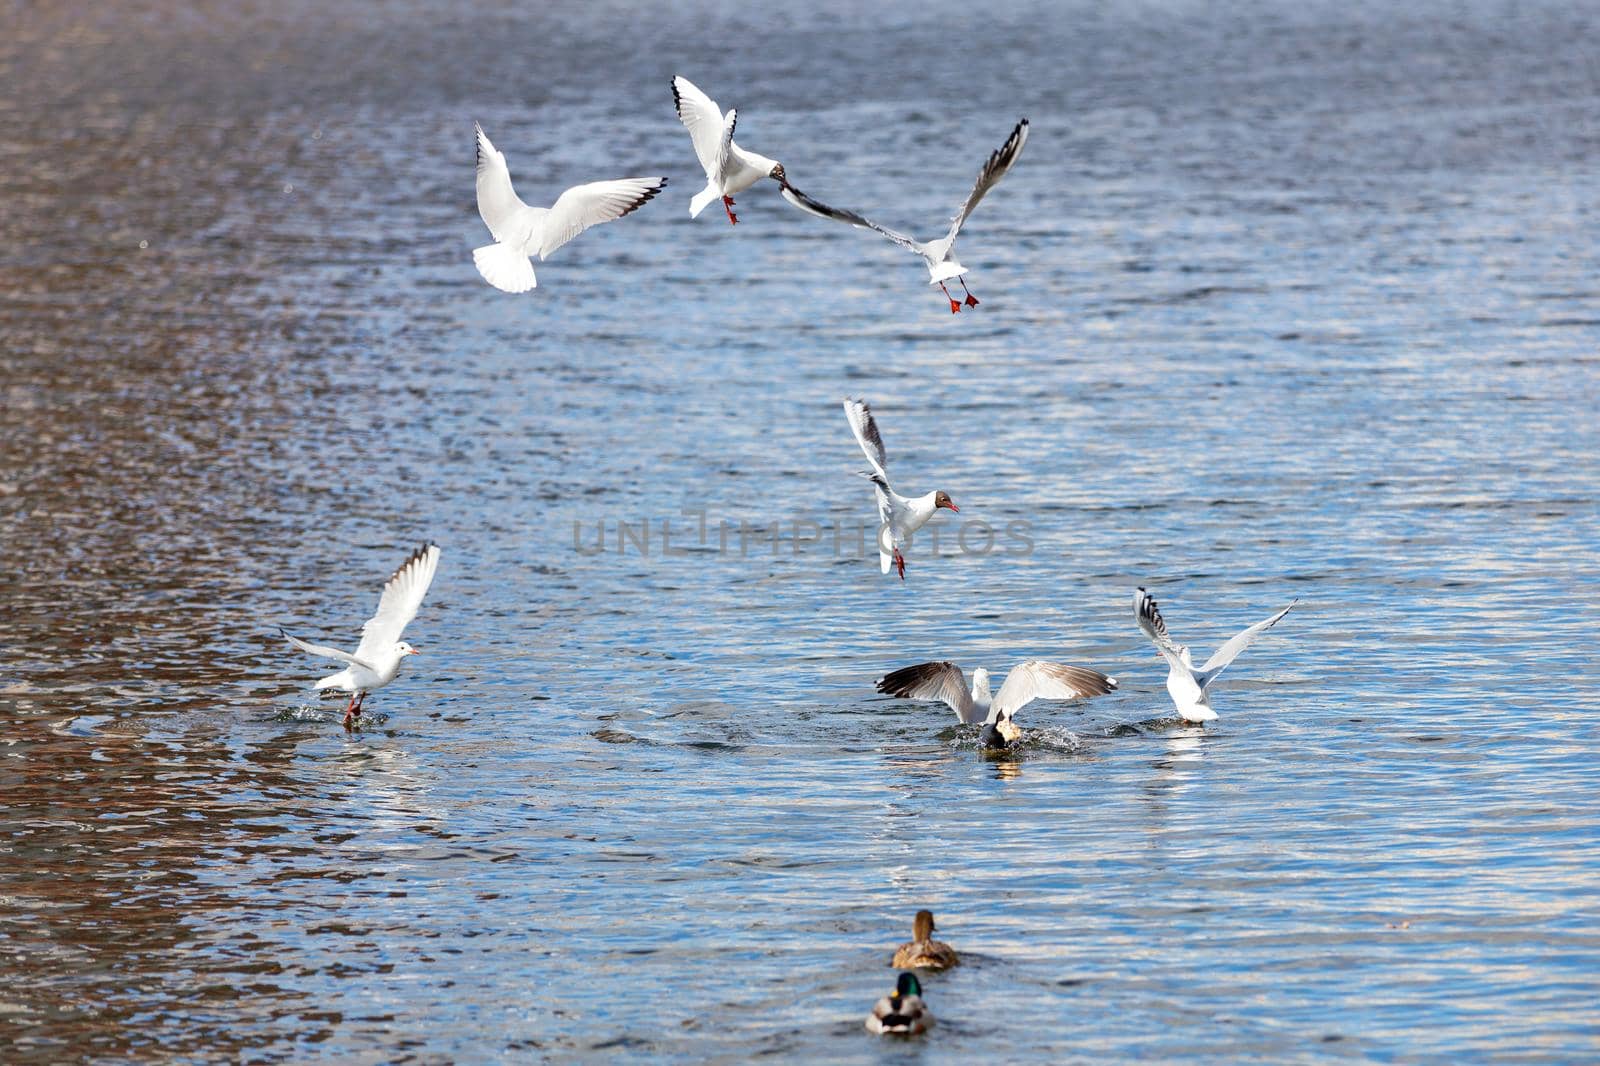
(900, 565)
(353, 711)
(971, 300)
(955, 308)
(727, 205)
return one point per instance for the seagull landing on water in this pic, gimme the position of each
(1190, 688)
(1029, 681)
(939, 255)
(898, 517)
(729, 168)
(377, 660)
(521, 231)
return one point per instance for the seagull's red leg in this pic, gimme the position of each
(351, 710)
(955, 308)
(727, 205)
(972, 301)
(900, 563)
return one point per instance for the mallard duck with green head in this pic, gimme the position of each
(902, 1012)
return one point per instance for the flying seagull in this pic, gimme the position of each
(729, 168)
(521, 231)
(939, 255)
(898, 517)
(377, 660)
(1029, 681)
(1190, 687)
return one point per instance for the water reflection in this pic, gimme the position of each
(1006, 768)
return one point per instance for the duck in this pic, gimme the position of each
(922, 952)
(902, 1012)
(1189, 688)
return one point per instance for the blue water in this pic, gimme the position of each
(1283, 301)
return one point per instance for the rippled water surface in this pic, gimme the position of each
(1283, 300)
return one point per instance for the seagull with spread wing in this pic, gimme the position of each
(377, 660)
(1190, 688)
(1029, 681)
(939, 255)
(521, 231)
(898, 516)
(729, 168)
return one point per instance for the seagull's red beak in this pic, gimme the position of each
(414, 651)
(953, 507)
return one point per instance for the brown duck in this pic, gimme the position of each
(923, 952)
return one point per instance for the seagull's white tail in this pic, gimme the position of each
(703, 199)
(945, 271)
(339, 680)
(505, 268)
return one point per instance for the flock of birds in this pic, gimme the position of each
(521, 231)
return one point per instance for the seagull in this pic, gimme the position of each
(1029, 681)
(939, 255)
(729, 168)
(898, 517)
(520, 231)
(1188, 686)
(377, 659)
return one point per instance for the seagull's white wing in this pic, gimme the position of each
(1150, 621)
(1230, 651)
(402, 595)
(865, 427)
(1036, 680)
(885, 526)
(322, 651)
(1001, 160)
(588, 205)
(709, 129)
(932, 681)
(503, 211)
(839, 214)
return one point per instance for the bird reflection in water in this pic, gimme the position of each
(1185, 747)
(1006, 767)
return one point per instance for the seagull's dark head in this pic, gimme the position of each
(942, 499)
(776, 173)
